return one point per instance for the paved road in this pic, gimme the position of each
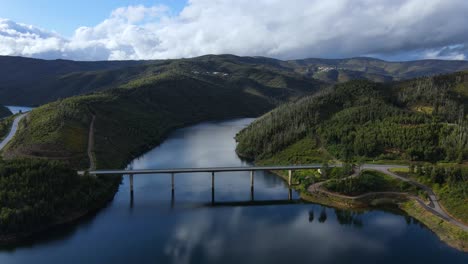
(213, 169)
(13, 131)
(434, 200)
(434, 205)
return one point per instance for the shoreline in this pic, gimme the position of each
(14, 240)
(447, 232)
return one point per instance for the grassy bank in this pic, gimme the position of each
(447, 232)
(448, 181)
(451, 234)
(370, 181)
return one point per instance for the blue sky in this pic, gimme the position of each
(293, 29)
(64, 16)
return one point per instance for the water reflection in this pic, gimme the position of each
(188, 224)
(211, 238)
(349, 217)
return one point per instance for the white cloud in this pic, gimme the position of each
(455, 52)
(274, 28)
(25, 40)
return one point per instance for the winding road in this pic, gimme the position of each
(13, 130)
(434, 205)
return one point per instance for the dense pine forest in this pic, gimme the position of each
(422, 122)
(418, 120)
(35, 194)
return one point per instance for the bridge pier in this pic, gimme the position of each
(172, 181)
(212, 180)
(251, 179)
(289, 177)
(252, 194)
(212, 196)
(131, 184)
(172, 198)
(131, 190)
(212, 187)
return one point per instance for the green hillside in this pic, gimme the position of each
(25, 81)
(137, 116)
(4, 112)
(422, 120)
(38, 194)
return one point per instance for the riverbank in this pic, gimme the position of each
(103, 201)
(13, 240)
(449, 233)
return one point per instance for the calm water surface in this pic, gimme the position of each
(160, 228)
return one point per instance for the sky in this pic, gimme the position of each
(293, 29)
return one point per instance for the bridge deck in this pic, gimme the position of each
(213, 169)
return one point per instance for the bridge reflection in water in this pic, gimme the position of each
(214, 203)
(251, 202)
(173, 172)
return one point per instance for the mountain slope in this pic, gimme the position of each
(26, 81)
(420, 119)
(137, 116)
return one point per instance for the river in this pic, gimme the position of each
(160, 228)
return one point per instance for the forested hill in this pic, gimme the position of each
(422, 119)
(4, 112)
(25, 81)
(136, 116)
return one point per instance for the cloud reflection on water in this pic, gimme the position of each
(243, 235)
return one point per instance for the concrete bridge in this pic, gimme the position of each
(211, 170)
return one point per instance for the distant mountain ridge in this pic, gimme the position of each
(26, 81)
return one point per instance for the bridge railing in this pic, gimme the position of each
(212, 170)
